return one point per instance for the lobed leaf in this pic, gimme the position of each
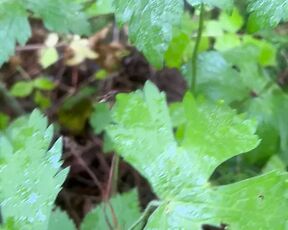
(179, 168)
(29, 172)
(240, 206)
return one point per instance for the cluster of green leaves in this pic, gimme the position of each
(57, 15)
(35, 87)
(31, 177)
(152, 23)
(101, 217)
(179, 166)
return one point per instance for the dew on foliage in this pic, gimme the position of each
(40, 216)
(54, 160)
(32, 198)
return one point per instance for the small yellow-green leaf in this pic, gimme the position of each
(48, 56)
(22, 88)
(43, 83)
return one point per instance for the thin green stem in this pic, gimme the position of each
(147, 212)
(113, 177)
(111, 189)
(196, 49)
(8, 100)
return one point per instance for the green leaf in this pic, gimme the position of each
(143, 125)
(100, 117)
(60, 221)
(41, 100)
(269, 109)
(14, 27)
(223, 4)
(43, 83)
(126, 210)
(30, 172)
(245, 59)
(48, 56)
(63, 16)
(227, 41)
(179, 170)
(267, 51)
(275, 163)
(180, 42)
(4, 119)
(100, 7)
(22, 88)
(231, 22)
(150, 24)
(268, 13)
(241, 206)
(217, 80)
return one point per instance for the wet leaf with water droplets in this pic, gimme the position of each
(179, 170)
(223, 4)
(268, 13)
(29, 172)
(150, 24)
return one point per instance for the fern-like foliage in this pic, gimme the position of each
(30, 175)
(268, 13)
(62, 16)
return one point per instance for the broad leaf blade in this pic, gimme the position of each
(63, 16)
(214, 134)
(240, 206)
(150, 24)
(178, 171)
(143, 135)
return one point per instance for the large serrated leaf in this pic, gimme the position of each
(29, 172)
(179, 170)
(239, 206)
(63, 16)
(268, 13)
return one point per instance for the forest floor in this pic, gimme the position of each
(125, 70)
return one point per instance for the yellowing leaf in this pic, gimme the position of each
(81, 51)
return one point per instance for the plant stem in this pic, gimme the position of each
(115, 175)
(147, 212)
(112, 188)
(7, 99)
(196, 49)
